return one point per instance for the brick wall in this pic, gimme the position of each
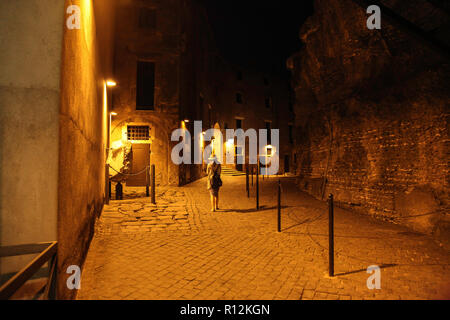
(373, 110)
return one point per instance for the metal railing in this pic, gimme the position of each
(47, 252)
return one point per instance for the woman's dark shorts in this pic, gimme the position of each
(214, 192)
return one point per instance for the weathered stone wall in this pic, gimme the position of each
(198, 50)
(87, 55)
(30, 55)
(160, 46)
(372, 108)
(180, 47)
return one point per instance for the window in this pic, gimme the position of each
(147, 18)
(291, 138)
(145, 85)
(138, 132)
(269, 102)
(269, 133)
(238, 123)
(239, 75)
(239, 98)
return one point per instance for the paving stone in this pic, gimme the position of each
(236, 253)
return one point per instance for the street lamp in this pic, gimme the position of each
(111, 83)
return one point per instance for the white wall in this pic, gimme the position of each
(30, 55)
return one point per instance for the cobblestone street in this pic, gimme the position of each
(178, 249)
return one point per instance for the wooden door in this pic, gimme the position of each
(140, 160)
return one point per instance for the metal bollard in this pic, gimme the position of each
(246, 182)
(331, 234)
(279, 205)
(147, 180)
(119, 191)
(153, 184)
(257, 187)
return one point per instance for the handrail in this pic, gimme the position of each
(23, 249)
(47, 251)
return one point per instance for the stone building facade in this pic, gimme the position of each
(247, 98)
(188, 79)
(372, 111)
(161, 68)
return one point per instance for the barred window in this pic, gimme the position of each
(138, 132)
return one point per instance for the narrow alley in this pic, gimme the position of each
(129, 129)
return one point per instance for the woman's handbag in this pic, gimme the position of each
(216, 181)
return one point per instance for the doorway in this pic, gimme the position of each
(239, 158)
(140, 160)
(286, 164)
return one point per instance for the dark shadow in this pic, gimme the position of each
(261, 208)
(383, 266)
(325, 235)
(299, 223)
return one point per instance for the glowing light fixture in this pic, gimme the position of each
(111, 83)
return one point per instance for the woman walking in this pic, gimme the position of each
(214, 182)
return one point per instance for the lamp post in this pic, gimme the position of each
(111, 114)
(109, 84)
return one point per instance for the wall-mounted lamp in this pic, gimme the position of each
(111, 83)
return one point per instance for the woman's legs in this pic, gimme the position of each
(212, 203)
(217, 201)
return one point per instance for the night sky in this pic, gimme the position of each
(258, 34)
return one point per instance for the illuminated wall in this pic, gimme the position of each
(375, 133)
(87, 54)
(30, 55)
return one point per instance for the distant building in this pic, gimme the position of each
(252, 99)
